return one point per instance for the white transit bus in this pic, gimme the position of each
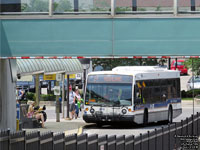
(139, 94)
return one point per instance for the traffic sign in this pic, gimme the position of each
(49, 77)
(71, 76)
(56, 90)
(58, 77)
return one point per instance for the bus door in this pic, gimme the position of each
(139, 98)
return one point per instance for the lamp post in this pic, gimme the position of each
(67, 118)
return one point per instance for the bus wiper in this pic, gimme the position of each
(116, 103)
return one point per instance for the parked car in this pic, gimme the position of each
(180, 66)
(196, 83)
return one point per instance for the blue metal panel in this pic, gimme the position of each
(157, 37)
(71, 37)
(100, 37)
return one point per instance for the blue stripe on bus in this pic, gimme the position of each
(158, 105)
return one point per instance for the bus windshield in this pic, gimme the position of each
(109, 90)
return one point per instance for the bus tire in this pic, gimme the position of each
(145, 118)
(170, 114)
(99, 124)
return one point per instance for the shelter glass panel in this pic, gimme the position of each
(24, 6)
(154, 5)
(60, 6)
(101, 5)
(142, 5)
(185, 5)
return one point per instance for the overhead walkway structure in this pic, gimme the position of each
(100, 34)
(105, 34)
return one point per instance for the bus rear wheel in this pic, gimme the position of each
(145, 119)
(170, 115)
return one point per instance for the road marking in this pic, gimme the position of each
(69, 132)
(78, 131)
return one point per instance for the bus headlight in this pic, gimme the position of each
(91, 110)
(124, 111)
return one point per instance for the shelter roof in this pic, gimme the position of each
(48, 66)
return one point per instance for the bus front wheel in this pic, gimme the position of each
(99, 124)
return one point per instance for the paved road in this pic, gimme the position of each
(135, 129)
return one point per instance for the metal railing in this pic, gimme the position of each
(173, 136)
(112, 9)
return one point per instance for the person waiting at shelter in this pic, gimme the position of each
(77, 103)
(72, 98)
(35, 114)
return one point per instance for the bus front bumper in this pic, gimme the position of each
(107, 118)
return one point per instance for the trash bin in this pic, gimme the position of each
(59, 105)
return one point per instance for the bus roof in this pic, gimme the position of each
(140, 68)
(142, 72)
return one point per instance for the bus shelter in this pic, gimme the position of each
(49, 66)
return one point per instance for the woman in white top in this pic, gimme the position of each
(71, 102)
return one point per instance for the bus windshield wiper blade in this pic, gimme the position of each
(116, 103)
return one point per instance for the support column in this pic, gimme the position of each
(175, 7)
(112, 8)
(50, 7)
(63, 95)
(37, 89)
(67, 96)
(7, 94)
(57, 105)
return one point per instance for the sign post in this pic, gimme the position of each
(18, 116)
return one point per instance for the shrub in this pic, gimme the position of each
(189, 94)
(30, 96)
(48, 97)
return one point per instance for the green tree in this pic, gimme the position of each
(109, 64)
(196, 65)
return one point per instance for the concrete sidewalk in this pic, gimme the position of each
(66, 126)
